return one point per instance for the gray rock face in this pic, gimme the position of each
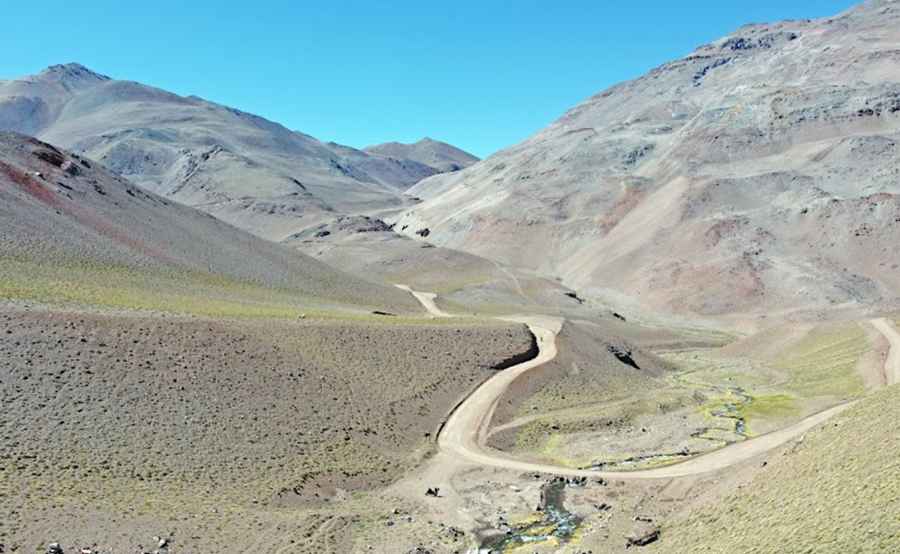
(244, 169)
(760, 171)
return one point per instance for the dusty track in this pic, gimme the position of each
(465, 433)
(427, 300)
(892, 362)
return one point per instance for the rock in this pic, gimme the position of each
(52, 157)
(623, 355)
(574, 296)
(642, 536)
(70, 168)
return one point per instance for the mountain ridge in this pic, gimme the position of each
(716, 172)
(243, 168)
(445, 157)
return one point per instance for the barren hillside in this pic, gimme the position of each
(246, 170)
(759, 171)
(72, 229)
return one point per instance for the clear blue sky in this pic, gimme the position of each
(479, 74)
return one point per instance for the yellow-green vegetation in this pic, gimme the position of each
(548, 435)
(824, 362)
(178, 292)
(835, 491)
(820, 365)
(737, 395)
(588, 399)
(770, 406)
(128, 288)
(715, 380)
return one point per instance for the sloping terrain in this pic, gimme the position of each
(444, 157)
(244, 169)
(834, 491)
(759, 172)
(188, 379)
(74, 231)
(212, 432)
(370, 248)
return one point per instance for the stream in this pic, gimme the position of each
(730, 410)
(557, 523)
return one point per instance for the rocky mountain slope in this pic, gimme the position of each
(760, 172)
(444, 157)
(69, 226)
(244, 169)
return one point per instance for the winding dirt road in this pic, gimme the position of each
(892, 363)
(427, 301)
(465, 433)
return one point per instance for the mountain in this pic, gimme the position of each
(443, 157)
(758, 173)
(244, 169)
(74, 230)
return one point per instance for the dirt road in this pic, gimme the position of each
(427, 301)
(892, 363)
(465, 433)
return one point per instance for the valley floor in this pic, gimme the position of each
(325, 434)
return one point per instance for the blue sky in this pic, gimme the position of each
(479, 74)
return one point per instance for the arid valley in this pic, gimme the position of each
(667, 322)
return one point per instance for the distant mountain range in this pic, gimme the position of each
(759, 173)
(240, 167)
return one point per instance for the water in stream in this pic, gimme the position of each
(557, 523)
(730, 410)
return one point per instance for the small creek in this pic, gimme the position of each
(557, 523)
(730, 410)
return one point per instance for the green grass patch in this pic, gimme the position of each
(178, 292)
(770, 406)
(824, 362)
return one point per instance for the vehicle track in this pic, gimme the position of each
(465, 433)
(892, 362)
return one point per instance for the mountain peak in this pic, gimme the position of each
(71, 73)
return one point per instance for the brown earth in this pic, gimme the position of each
(121, 427)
